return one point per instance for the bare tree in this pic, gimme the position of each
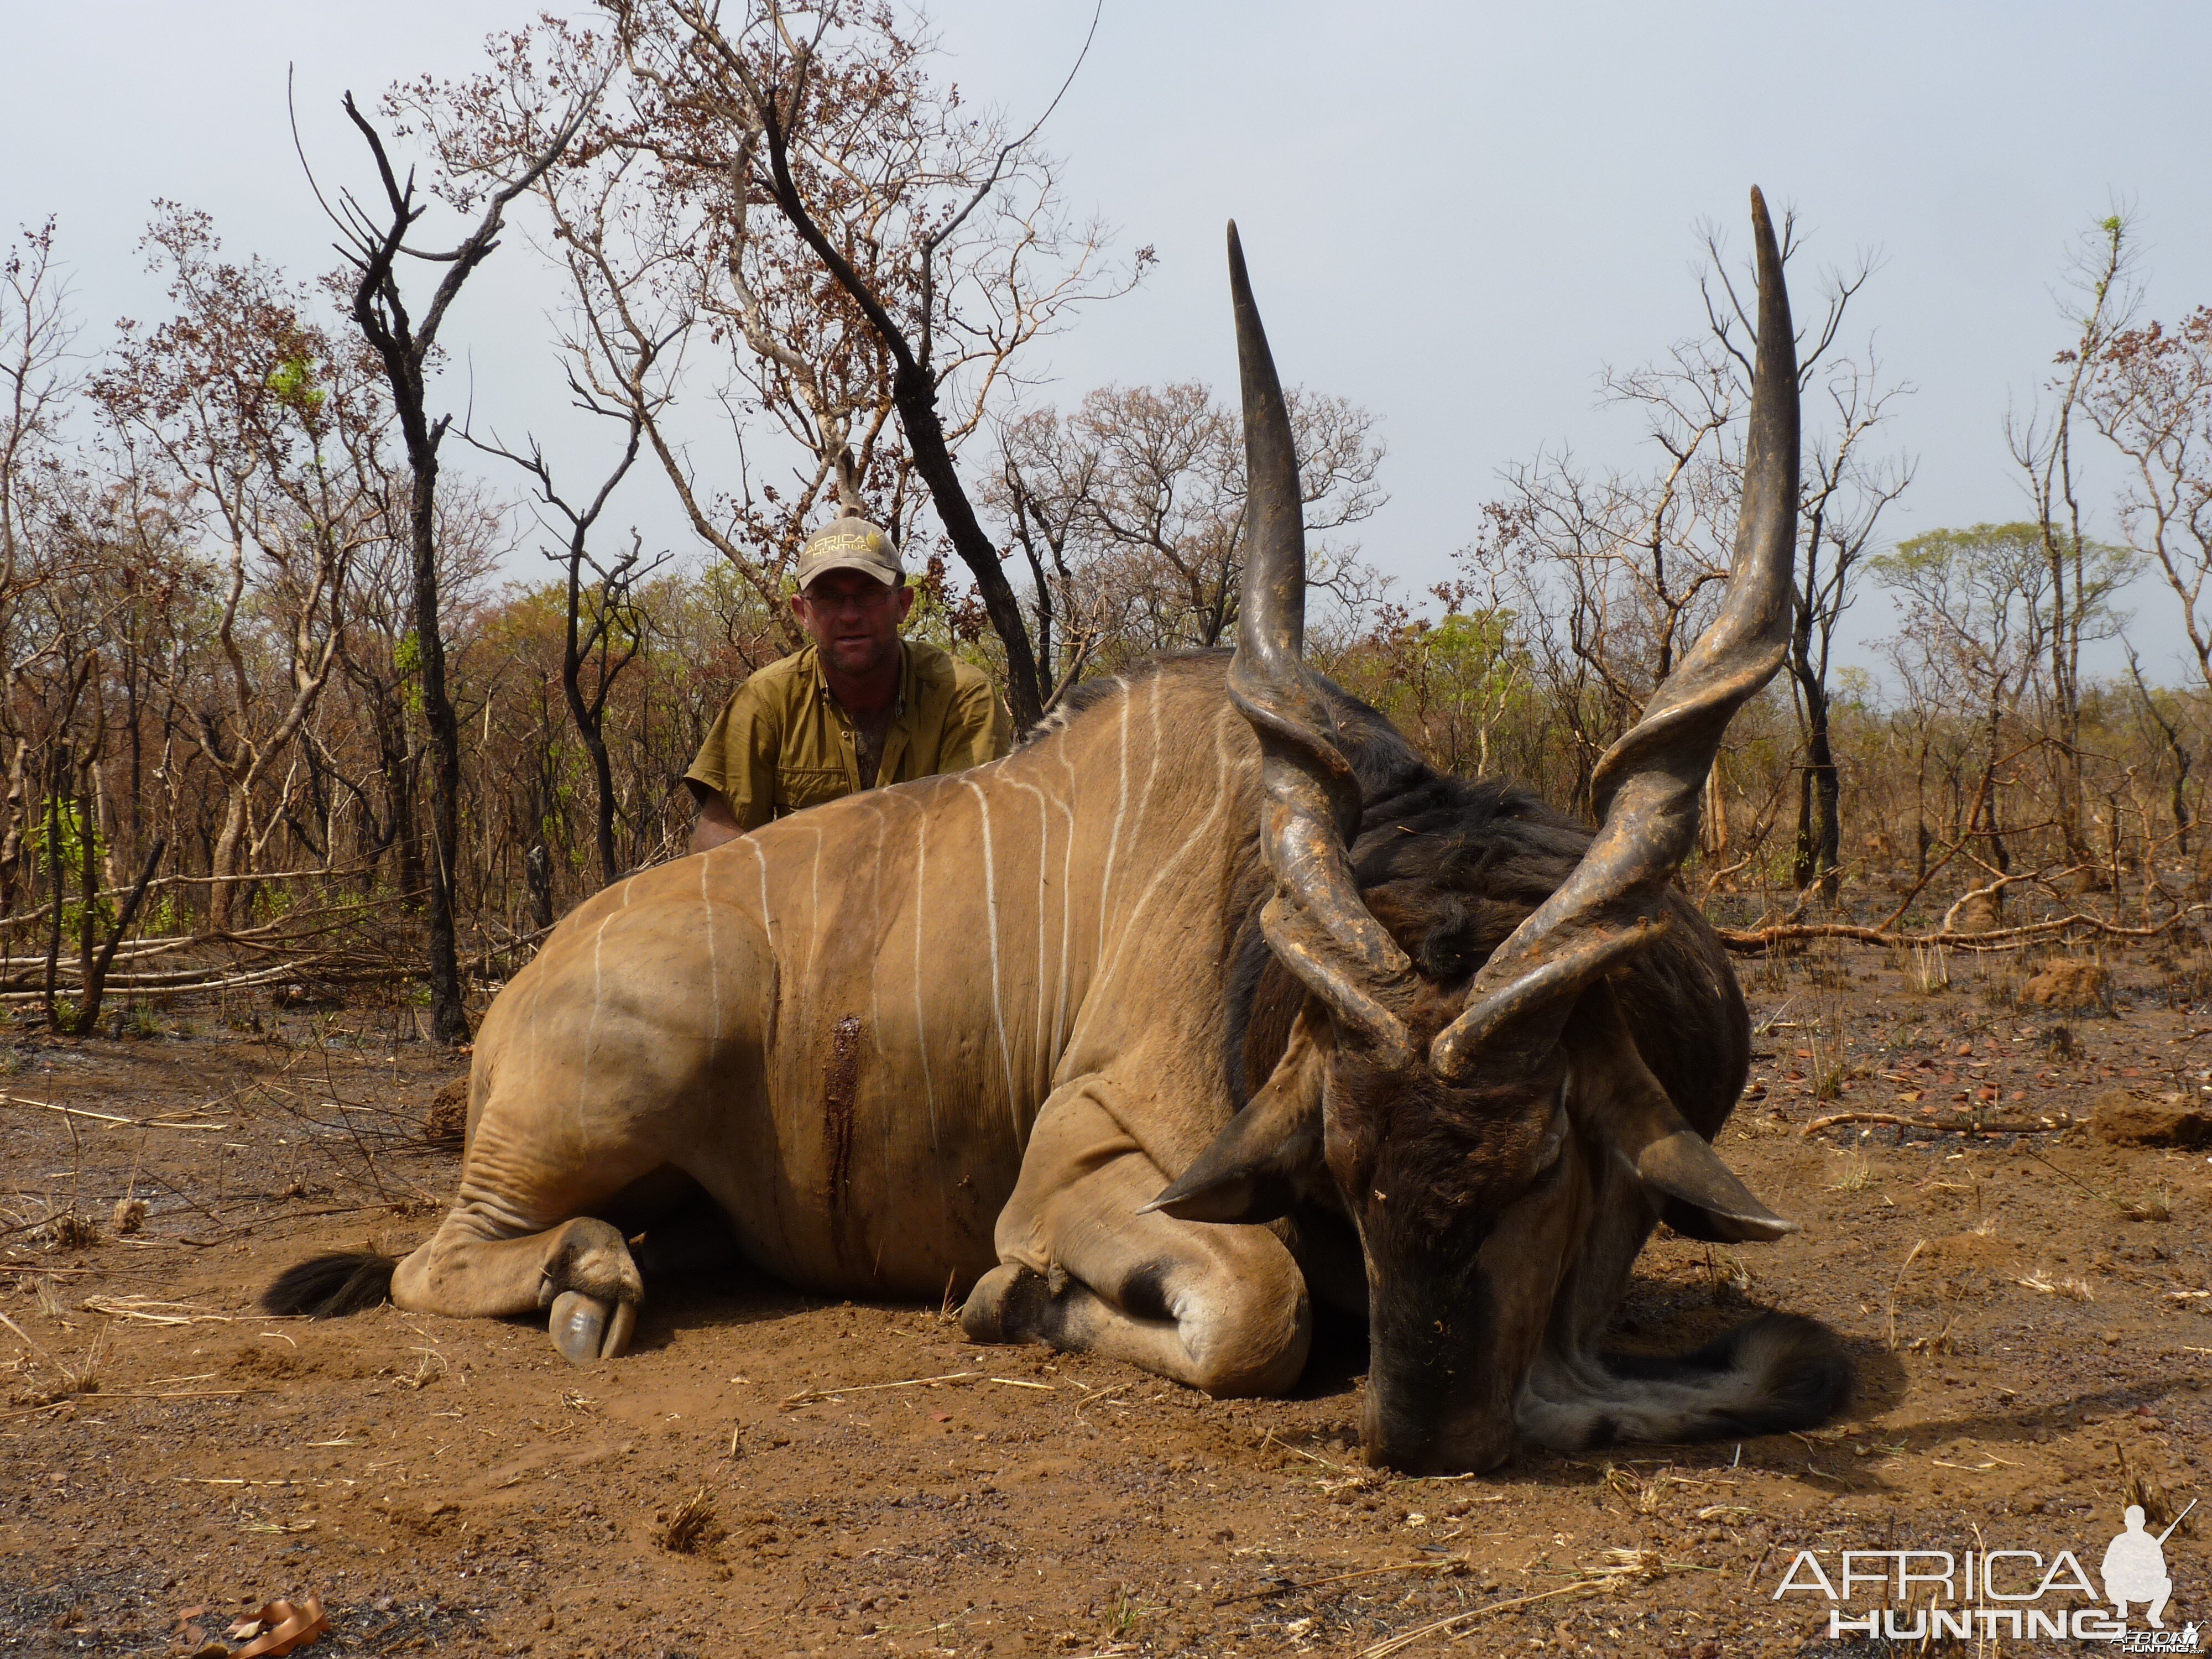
(1977, 614)
(1843, 494)
(2155, 710)
(1039, 495)
(2042, 445)
(605, 625)
(372, 245)
(1846, 492)
(1131, 511)
(380, 654)
(2150, 391)
(942, 230)
(269, 430)
(1612, 574)
(37, 333)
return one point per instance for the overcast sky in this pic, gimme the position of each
(1456, 214)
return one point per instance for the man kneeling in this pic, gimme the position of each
(859, 706)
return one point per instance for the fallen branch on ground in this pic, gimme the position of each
(1751, 941)
(164, 1121)
(1944, 1125)
(811, 1396)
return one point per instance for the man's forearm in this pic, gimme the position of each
(716, 824)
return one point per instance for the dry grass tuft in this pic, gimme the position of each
(693, 1528)
(1904, 1267)
(1929, 973)
(1940, 1343)
(2138, 1488)
(1643, 1566)
(66, 1230)
(1854, 1174)
(2156, 1205)
(1641, 1496)
(2074, 1290)
(1727, 1271)
(82, 1375)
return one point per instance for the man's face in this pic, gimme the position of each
(852, 619)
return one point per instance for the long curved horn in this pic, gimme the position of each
(1309, 806)
(1646, 787)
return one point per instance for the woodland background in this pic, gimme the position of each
(311, 684)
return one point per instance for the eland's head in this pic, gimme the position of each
(1472, 1105)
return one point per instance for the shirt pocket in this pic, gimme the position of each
(798, 787)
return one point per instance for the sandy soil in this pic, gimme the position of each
(2024, 1327)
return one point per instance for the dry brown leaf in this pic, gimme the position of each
(287, 1626)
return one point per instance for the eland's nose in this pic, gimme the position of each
(1394, 1439)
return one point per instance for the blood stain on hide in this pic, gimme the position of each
(840, 1087)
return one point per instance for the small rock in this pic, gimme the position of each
(2172, 1119)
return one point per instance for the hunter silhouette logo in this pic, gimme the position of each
(1992, 1593)
(2134, 1568)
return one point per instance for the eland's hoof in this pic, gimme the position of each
(585, 1329)
(995, 1308)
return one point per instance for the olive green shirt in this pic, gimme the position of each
(784, 744)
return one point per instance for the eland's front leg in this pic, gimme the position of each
(1219, 1307)
(620, 1060)
(580, 1273)
(574, 1104)
(522, 1236)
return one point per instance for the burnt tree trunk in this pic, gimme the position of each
(58, 876)
(96, 967)
(404, 346)
(589, 721)
(915, 392)
(449, 1020)
(1820, 805)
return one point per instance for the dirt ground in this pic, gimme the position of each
(770, 1474)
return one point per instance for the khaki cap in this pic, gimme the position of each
(851, 544)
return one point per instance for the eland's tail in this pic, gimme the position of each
(328, 1286)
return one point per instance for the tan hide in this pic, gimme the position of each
(846, 1025)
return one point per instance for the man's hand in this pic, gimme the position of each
(716, 824)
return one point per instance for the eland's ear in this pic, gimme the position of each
(1258, 1168)
(1620, 1105)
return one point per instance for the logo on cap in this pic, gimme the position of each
(850, 544)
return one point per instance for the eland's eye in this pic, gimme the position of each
(1554, 1140)
(1555, 1134)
